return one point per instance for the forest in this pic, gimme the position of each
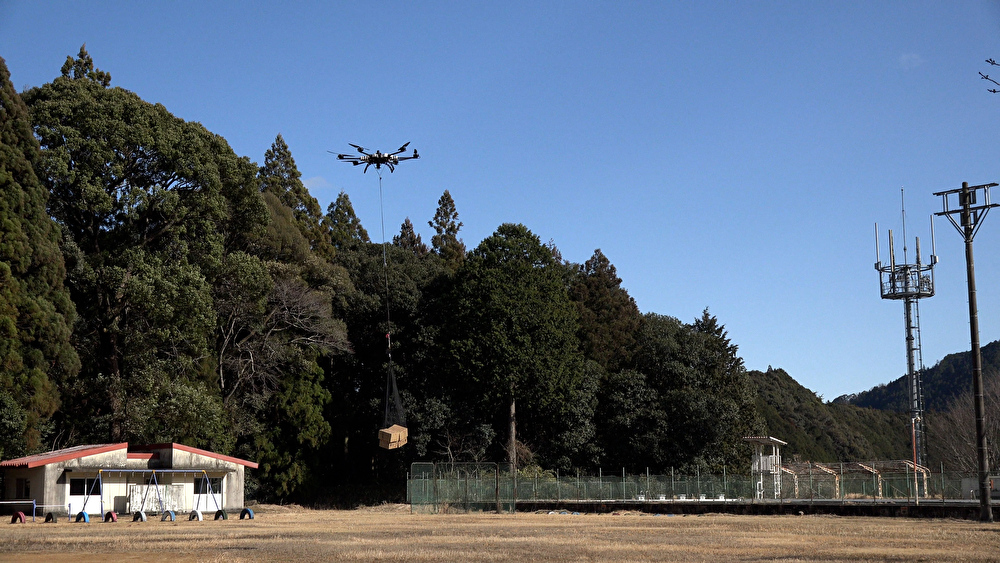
(157, 287)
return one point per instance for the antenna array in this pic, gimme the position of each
(909, 282)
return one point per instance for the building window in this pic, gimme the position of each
(161, 479)
(201, 486)
(82, 487)
(22, 488)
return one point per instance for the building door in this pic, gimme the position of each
(85, 495)
(208, 493)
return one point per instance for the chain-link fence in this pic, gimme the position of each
(490, 487)
(460, 487)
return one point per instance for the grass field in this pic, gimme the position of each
(391, 533)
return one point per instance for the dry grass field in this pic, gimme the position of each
(391, 533)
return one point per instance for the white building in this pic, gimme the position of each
(99, 478)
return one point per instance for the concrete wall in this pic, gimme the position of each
(234, 489)
(232, 473)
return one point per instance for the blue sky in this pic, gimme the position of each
(730, 155)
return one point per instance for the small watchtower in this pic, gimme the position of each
(765, 468)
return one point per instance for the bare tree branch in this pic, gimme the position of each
(987, 77)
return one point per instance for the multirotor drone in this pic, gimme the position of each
(378, 158)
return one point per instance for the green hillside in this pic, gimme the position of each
(942, 383)
(818, 431)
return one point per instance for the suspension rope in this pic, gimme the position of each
(391, 392)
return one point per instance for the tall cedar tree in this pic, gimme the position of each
(278, 331)
(280, 176)
(446, 226)
(342, 225)
(410, 239)
(609, 317)
(36, 312)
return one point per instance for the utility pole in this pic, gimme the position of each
(972, 216)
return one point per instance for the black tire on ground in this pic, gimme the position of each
(139, 516)
(18, 517)
(168, 515)
(195, 515)
(246, 512)
(83, 516)
(221, 515)
(111, 516)
(50, 517)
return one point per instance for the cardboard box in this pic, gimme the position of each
(392, 437)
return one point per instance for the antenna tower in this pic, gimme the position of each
(909, 282)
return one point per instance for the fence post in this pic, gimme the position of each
(907, 468)
(843, 485)
(624, 495)
(434, 487)
(725, 483)
(810, 483)
(942, 482)
(874, 483)
(496, 482)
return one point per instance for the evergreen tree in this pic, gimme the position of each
(699, 400)
(82, 67)
(342, 225)
(446, 226)
(410, 239)
(511, 335)
(36, 312)
(280, 176)
(609, 317)
(150, 206)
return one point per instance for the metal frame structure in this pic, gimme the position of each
(99, 481)
(909, 283)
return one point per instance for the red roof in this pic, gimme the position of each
(65, 454)
(134, 452)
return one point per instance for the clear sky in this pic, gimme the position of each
(729, 155)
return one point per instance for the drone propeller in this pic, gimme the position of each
(360, 149)
(401, 149)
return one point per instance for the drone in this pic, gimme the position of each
(378, 158)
